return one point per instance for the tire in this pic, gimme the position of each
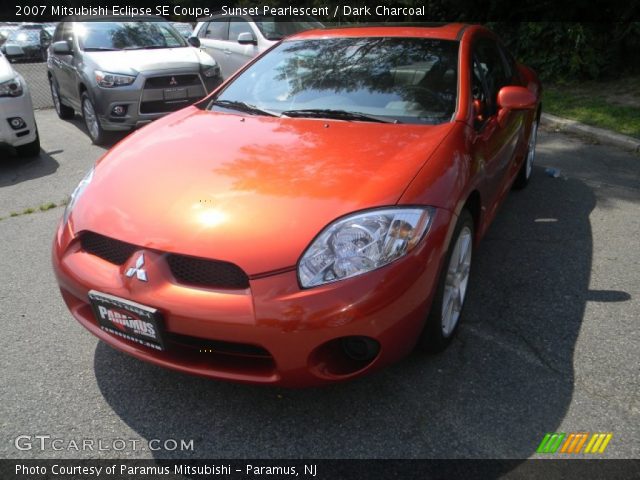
(64, 112)
(92, 122)
(30, 149)
(444, 318)
(524, 175)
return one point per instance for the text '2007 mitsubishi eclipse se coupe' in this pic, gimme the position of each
(312, 220)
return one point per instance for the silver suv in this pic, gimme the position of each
(233, 41)
(124, 74)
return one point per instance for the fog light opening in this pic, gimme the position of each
(119, 110)
(16, 123)
(360, 349)
(343, 357)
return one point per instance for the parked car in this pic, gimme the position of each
(5, 29)
(18, 127)
(233, 41)
(315, 218)
(122, 75)
(27, 42)
(185, 29)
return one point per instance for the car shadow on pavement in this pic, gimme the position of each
(112, 137)
(14, 169)
(505, 381)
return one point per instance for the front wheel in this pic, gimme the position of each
(91, 121)
(444, 317)
(62, 110)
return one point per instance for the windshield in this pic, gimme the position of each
(127, 35)
(284, 26)
(407, 80)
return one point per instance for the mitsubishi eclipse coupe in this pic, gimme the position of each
(313, 219)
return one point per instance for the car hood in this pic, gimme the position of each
(6, 72)
(250, 190)
(136, 61)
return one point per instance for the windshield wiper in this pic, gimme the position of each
(242, 107)
(339, 114)
(150, 47)
(100, 49)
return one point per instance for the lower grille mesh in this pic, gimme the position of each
(113, 251)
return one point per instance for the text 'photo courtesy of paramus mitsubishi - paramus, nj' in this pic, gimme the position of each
(314, 218)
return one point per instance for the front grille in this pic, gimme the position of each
(113, 251)
(186, 270)
(207, 273)
(217, 346)
(172, 81)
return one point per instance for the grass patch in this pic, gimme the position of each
(14, 214)
(27, 211)
(614, 105)
(47, 206)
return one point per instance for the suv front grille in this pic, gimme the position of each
(169, 93)
(187, 270)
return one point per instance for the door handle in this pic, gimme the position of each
(227, 51)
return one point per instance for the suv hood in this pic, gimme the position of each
(139, 61)
(250, 190)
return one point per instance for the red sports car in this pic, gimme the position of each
(314, 218)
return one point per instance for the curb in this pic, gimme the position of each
(600, 134)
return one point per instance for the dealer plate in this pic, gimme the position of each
(175, 93)
(126, 319)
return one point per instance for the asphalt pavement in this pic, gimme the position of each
(549, 340)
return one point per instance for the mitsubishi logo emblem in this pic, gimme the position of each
(173, 81)
(138, 271)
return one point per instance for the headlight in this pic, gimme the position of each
(362, 242)
(211, 72)
(11, 88)
(77, 193)
(110, 80)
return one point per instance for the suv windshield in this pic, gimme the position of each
(407, 80)
(283, 27)
(127, 35)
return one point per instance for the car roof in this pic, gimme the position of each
(446, 31)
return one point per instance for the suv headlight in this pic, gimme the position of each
(362, 242)
(11, 88)
(110, 80)
(211, 71)
(77, 193)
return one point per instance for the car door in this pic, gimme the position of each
(213, 40)
(63, 69)
(496, 134)
(239, 53)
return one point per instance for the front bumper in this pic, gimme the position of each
(134, 97)
(298, 329)
(12, 107)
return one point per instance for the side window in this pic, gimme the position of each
(67, 33)
(238, 26)
(215, 30)
(479, 94)
(57, 35)
(493, 69)
(511, 67)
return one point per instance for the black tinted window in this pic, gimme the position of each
(238, 26)
(492, 68)
(215, 30)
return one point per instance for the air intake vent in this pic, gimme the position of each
(113, 251)
(207, 273)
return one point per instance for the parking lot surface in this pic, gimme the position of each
(549, 340)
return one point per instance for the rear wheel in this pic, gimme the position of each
(64, 112)
(444, 317)
(91, 121)
(524, 175)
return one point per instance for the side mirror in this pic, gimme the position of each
(246, 38)
(516, 98)
(62, 47)
(194, 42)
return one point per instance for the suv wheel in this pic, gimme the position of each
(64, 112)
(91, 121)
